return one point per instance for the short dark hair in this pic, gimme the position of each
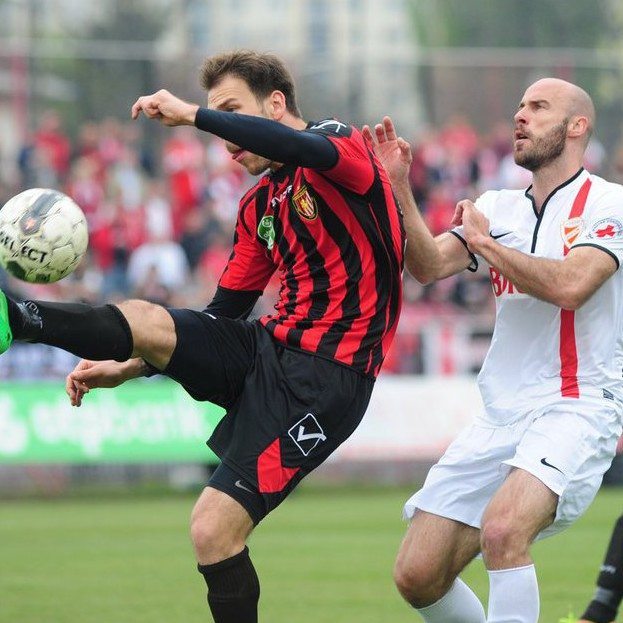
(263, 73)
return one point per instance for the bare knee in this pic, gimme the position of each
(421, 583)
(503, 543)
(219, 527)
(153, 331)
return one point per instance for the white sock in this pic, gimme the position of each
(513, 596)
(458, 605)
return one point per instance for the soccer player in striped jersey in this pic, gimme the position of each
(609, 593)
(551, 382)
(296, 382)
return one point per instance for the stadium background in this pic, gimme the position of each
(161, 206)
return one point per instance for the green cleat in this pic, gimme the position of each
(6, 337)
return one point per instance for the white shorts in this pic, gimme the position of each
(568, 446)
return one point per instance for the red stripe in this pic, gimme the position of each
(568, 348)
(272, 476)
(568, 355)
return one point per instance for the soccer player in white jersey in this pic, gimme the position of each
(551, 382)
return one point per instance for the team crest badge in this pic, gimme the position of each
(305, 204)
(571, 229)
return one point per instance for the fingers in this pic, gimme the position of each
(148, 105)
(74, 392)
(367, 133)
(457, 217)
(388, 127)
(405, 149)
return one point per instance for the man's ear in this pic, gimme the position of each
(277, 105)
(578, 126)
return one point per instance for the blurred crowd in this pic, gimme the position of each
(161, 223)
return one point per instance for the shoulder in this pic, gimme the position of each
(331, 128)
(602, 190)
(490, 199)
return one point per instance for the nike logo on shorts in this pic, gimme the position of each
(241, 485)
(544, 462)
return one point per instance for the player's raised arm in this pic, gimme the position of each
(427, 258)
(274, 138)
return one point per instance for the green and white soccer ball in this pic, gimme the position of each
(43, 235)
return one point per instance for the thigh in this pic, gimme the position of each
(462, 483)
(436, 549)
(568, 448)
(212, 355)
(524, 504)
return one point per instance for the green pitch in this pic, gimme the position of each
(324, 557)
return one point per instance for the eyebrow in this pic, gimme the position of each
(534, 102)
(226, 103)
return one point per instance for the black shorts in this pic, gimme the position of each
(287, 410)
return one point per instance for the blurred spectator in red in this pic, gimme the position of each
(183, 160)
(52, 144)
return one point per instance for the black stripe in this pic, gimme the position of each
(381, 209)
(596, 246)
(261, 204)
(351, 259)
(473, 267)
(318, 275)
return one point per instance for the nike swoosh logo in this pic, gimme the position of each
(544, 462)
(496, 236)
(240, 485)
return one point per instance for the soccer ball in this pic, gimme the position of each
(43, 235)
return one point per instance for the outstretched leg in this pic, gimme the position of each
(131, 329)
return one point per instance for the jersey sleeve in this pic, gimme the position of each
(604, 228)
(354, 168)
(249, 267)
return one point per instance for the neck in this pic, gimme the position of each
(546, 179)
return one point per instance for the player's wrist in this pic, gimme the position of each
(191, 114)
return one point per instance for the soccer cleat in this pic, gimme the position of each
(6, 336)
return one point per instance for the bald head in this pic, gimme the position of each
(569, 97)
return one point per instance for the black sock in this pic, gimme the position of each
(607, 599)
(86, 331)
(233, 589)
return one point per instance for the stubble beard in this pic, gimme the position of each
(545, 149)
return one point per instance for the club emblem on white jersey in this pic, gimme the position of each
(571, 229)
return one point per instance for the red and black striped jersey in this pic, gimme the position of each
(336, 239)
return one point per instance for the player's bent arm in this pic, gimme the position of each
(269, 139)
(567, 283)
(428, 258)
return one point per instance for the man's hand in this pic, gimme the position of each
(393, 151)
(88, 375)
(166, 108)
(475, 225)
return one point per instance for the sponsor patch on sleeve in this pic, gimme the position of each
(331, 127)
(606, 228)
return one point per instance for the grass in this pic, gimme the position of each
(324, 557)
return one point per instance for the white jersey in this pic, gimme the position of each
(540, 354)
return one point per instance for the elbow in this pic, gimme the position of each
(422, 276)
(571, 299)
